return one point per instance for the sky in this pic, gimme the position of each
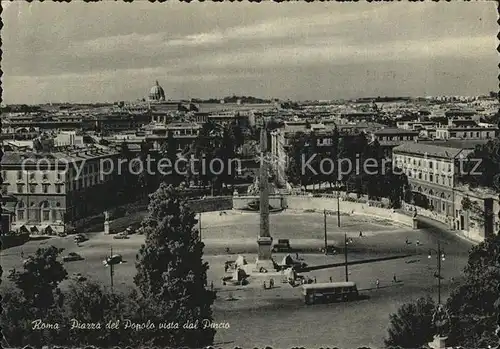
(114, 51)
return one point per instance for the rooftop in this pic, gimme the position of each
(426, 149)
(70, 155)
(457, 143)
(395, 130)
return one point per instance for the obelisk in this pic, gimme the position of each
(264, 261)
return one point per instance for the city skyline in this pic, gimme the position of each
(296, 51)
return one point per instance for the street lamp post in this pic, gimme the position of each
(337, 187)
(345, 258)
(199, 225)
(326, 238)
(439, 258)
(111, 268)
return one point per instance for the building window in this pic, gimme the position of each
(431, 177)
(32, 188)
(19, 175)
(45, 177)
(430, 165)
(5, 189)
(20, 214)
(32, 176)
(45, 211)
(45, 188)
(58, 188)
(20, 188)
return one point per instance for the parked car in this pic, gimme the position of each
(114, 259)
(330, 249)
(123, 235)
(283, 245)
(80, 238)
(78, 277)
(72, 256)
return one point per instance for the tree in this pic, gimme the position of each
(38, 298)
(39, 282)
(169, 151)
(411, 326)
(472, 304)
(17, 319)
(482, 166)
(89, 302)
(296, 152)
(171, 275)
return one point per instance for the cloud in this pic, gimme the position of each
(117, 51)
(337, 51)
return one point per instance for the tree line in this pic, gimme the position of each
(347, 161)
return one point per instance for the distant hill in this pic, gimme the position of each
(234, 99)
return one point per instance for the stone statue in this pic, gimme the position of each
(106, 222)
(441, 320)
(254, 188)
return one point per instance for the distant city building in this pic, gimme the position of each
(388, 138)
(466, 133)
(184, 134)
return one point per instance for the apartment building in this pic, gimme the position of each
(389, 138)
(433, 173)
(184, 133)
(59, 187)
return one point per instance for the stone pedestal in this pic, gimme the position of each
(264, 259)
(438, 343)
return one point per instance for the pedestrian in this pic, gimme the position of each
(407, 242)
(225, 267)
(394, 279)
(377, 282)
(360, 234)
(315, 279)
(211, 285)
(264, 285)
(331, 280)
(296, 255)
(22, 254)
(271, 283)
(418, 242)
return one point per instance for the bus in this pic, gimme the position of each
(329, 291)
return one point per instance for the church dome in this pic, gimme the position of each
(156, 93)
